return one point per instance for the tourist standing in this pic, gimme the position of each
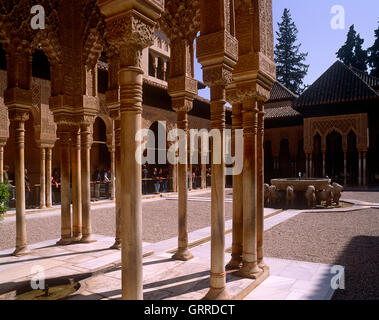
(165, 180)
(156, 180)
(107, 181)
(144, 179)
(55, 182)
(96, 178)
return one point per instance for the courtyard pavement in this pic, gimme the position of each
(301, 247)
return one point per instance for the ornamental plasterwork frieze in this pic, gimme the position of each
(342, 124)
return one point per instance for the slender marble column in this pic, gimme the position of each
(76, 185)
(364, 168)
(218, 276)
(307, 165)
(203, 176)
(311, 165)
(86, 143)
(250, 267)
(344, 168)
(237, 239)
(64, 138)
(260, 183)
(130, 78)
(323, 164)
(113, 172)
(359, 167)
(182, 253)
(48, 177)
(21, 240)
(1, 162)
(42, 178)
(117, 243)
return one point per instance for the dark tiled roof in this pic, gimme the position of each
(369, 80)
(338, 84)
(282, 111)
(280, 92)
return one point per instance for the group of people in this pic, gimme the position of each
(99, 177)
(160, 178)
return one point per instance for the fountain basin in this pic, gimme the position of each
(300, 184)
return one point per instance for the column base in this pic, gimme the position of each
(77, 237)
(64, 241)
(88, 239)
(261, 264)
(217, 294)
(116, 245)
(234, 263)
(42, 207)
(249, 270)
(21, 251)
(183, 255)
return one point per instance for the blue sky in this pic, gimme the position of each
(318, 38)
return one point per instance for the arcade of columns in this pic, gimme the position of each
(235, 48)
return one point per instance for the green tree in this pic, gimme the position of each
(290, 67)
(4, 195)
(373, 58)
(352, 53)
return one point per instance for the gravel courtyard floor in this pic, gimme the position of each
(350, 239)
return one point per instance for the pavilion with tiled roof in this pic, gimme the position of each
(331, 129)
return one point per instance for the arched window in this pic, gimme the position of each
(40, 65)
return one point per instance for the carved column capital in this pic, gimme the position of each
(18, 114)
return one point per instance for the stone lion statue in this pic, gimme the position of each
(290, 196)
(266, 188)
(337, 189)
(310, 195)
(326, 195)
(274, 195)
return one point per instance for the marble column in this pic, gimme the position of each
(307, 165)
(182, 253)
(86, 143)
(323, 164)
(19, 120)
(42, 178)
(48, 177)
(250, 267)
(236, 259)
(64, 135)
(117, 243)
(130, 79)
(359, 167)
(364, 168)
(344, 168)
(113, 172)
(311, 165)
(260, 183)
(218, 276)
(76, 184)
(2, 162)
(203, 176)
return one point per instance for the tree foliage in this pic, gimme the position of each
(373, 55)
(352, 52)
(290, 66)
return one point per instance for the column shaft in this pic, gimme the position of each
(307, 165)
(250, 122)
(260, 183)
(86, 142)
(1, 163)
(344, 168)
(48, 177)
(113, 172)
(360, 168)
(21, 240)
(323, 165)
(131, 189)
(364, 168)
(76, 185)
(182, 252)
(117, 243)
(218, 276)
(237, 239)
(42, 179)
(64, 138)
